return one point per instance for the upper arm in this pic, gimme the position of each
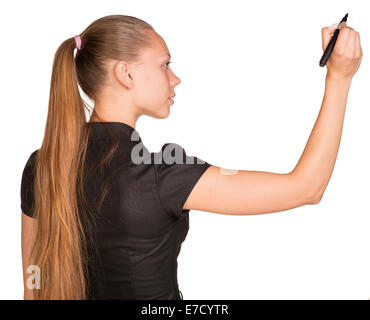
(28, 233)
(248, 192)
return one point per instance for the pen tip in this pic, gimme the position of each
(344, 18)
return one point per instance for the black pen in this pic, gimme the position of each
(329, 49)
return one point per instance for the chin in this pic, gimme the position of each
(163, 114)
(158, 114)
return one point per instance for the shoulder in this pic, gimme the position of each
(33, 156)
(30, 164)
(176, 175)
(27, 193)
(172, 153)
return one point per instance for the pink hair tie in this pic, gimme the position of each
(78, 42)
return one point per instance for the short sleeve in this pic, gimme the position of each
(27, 193)
(176, 175)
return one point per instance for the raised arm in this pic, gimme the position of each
(320, 154)
(254, 192)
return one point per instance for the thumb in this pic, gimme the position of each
(326, 34)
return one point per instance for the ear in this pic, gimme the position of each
(123, 73)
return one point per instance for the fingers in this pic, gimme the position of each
(328, 31)
(344, 25)
(356, 48)
(347, 53)
(326, 34)
(347, 42)
(331, 29)
(351, 43)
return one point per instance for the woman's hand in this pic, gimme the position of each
(347, 53)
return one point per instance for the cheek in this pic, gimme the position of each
(152, 90)
(157, 88)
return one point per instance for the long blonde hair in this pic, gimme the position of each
(60, 246)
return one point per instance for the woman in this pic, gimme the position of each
(103, 218)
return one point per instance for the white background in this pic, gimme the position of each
(251, 89)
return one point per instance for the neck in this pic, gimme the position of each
(127, 119)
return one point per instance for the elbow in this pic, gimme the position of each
(316, 197)
(313, 191)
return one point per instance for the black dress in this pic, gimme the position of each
(141, 224)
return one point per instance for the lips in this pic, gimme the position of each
(172, 96)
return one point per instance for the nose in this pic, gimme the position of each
(176, 81)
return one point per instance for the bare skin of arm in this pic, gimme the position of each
(256, 192)
(28, 233)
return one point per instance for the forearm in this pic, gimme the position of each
(318, 158)
(28, 295)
